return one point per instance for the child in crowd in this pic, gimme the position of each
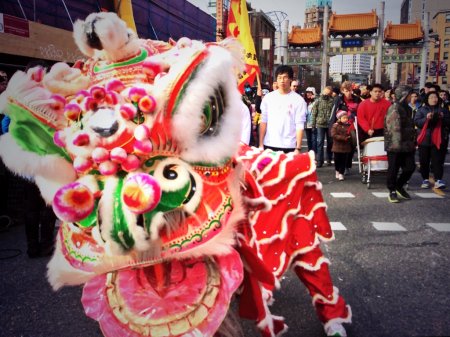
(342, 143)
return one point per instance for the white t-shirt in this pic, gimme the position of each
(284, 115)
(246, 124)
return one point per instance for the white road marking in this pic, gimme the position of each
(381, 194)
(337, 226)
(342, 195)
(429, 195)
(440, 226)
(388, 226)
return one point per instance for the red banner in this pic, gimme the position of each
(14, 25)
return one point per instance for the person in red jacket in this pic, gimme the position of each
(371, 113)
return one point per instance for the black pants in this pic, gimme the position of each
(340, 161)
(396, 161)
(431, 155)
(39, 221)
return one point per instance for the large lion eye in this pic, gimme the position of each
(172, 175)
(212, 111)
(180, 185)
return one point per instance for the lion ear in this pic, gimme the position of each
(81, 39)
(206, 122)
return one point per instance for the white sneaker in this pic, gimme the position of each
(439, 184)
(337, 174)
(335, 329)
(341, 177)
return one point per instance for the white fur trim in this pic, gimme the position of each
(320, 297)
(61, 273)
(309, 266)
(187, 120)
(341, 320)
(50, 172)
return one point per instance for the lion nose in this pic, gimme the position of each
(106, 131)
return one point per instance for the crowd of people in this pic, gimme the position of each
(408, 120)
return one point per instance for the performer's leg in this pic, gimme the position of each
(312, 269)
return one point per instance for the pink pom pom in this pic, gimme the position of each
(82, 165)
(118, 155)
(72, 111)
(141, 132)
(81, 95)
(141, 193)
(100, 154)
(147, 104)
(98, 93)
(37, 74)
(135, 94)
(151, 69)
(143, 147)
(107, 168)
(128, 111)
(112, 98)
(81, 139)
(58, 102)
(59, 138)
(73, 202)
(132, 163)
(90, 104)
(115, 85)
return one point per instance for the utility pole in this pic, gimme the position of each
(220, 33)
(380, 45)
(426, 43)
(323, 79)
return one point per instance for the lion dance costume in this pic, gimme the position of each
(137, 150)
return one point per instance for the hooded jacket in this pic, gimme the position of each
(321, 111)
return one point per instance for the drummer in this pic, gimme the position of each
(371, 113)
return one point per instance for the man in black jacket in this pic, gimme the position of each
(399, 143)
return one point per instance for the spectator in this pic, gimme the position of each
(371, 113)
(295, 87)
(433, 122)
(349, 102)
(342, 145)
(365, 91)
(321, 113)
(283, 115)
(445, 97)
(399, 143)
(311, 133)
(414, 103)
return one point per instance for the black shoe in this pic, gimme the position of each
(393, 197)
(402, 194)
(319, 165)
(329, 163)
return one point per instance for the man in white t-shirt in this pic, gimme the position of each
(283, 115)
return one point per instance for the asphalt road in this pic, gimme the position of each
(396, 281)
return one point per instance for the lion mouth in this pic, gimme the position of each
(169, 299)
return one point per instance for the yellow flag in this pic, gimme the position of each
(239, 27)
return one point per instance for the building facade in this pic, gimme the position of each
(263, 33)
(314, 12)
(439, 52)
(49, 26)
(412, 10)
(351, 64)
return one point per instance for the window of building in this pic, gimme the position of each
(447, 17)
(447, 30)
(446, 43)
(445, 57)
(444, 80)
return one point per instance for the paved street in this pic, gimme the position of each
(390, 262)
